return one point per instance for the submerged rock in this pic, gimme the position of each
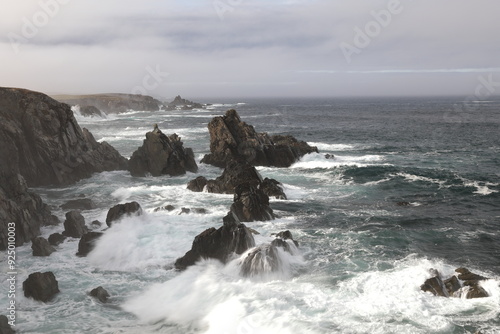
(100, 293)
(162, 155)
(87, 243)
(41, 286)
(231, 138)
(74, 225)
(218, 244)
(122, 210)
(41, 247)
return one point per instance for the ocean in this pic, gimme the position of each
(414, 184)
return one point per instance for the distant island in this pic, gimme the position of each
(115, 103)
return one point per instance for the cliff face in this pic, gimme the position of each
(42, 141)
(112, 103)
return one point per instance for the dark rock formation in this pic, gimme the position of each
(79, 204)
(198, 184)
(265, 258)
(165, 208)
(100, 293)
(121, 210)
(74, 225)
(162, 155)
(41, 286)
(87, 243)
(250, 204)
(56, 239)
(112, 103)
(5, 326)
(466, 283)
(182, 104)
(42, 141)
(218, 244)
(96, 223)
(41, 247)
(90, 111)
(21, 207)
(231, 138)
(238, 172)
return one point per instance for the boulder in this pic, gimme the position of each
(21, 207)
(250, 204)
(87, 243)
(41, 247)
(466, 284)
(100, 293)
(198, 184)
(162, 155)
(231, 138)
(74, 225)
(218, 244)
(56, 239)
(90, 111)
(96, 223)
(79, 204)
(41, 286)
(122, 210)
(42, 141)
(5, 326)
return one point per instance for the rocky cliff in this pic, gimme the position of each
(42, 141)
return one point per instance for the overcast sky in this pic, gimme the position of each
(240, 48)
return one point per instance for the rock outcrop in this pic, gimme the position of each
(21, 207)
(74, 225)
(162, 155)
(122, 210)
(112, 103)
(182, 104)
(5, 327)
(56, 239)
(87, 243)
(41, 286)
(41, 247)
(464, 284)
(250, 204)
(100, 293)
(220, 244)
(231, 138)
(236, 173)
(42, 141)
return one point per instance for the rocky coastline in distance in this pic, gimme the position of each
(42, 144)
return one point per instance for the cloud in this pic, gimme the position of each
(254, 48)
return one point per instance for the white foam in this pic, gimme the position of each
(332, 147)
(316, 160)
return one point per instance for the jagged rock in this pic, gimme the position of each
(41, 247)
(162, 155)
(42, 141)
(197, 184)
(165, 208)
(466, 283)
(90, 111)
(113, 103)
(79, 204)
(100, 293)
(87, 243)
(183, 104)
(265, 258)
(41, 286)
(250, 204)
(218, 244)
(235, 173)
(21, 207)
(5, 326)
(74, 225)
(230, 138)
(119, 211)
(56, 239)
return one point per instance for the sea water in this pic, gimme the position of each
(413, 185)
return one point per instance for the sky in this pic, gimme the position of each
(252, 48)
